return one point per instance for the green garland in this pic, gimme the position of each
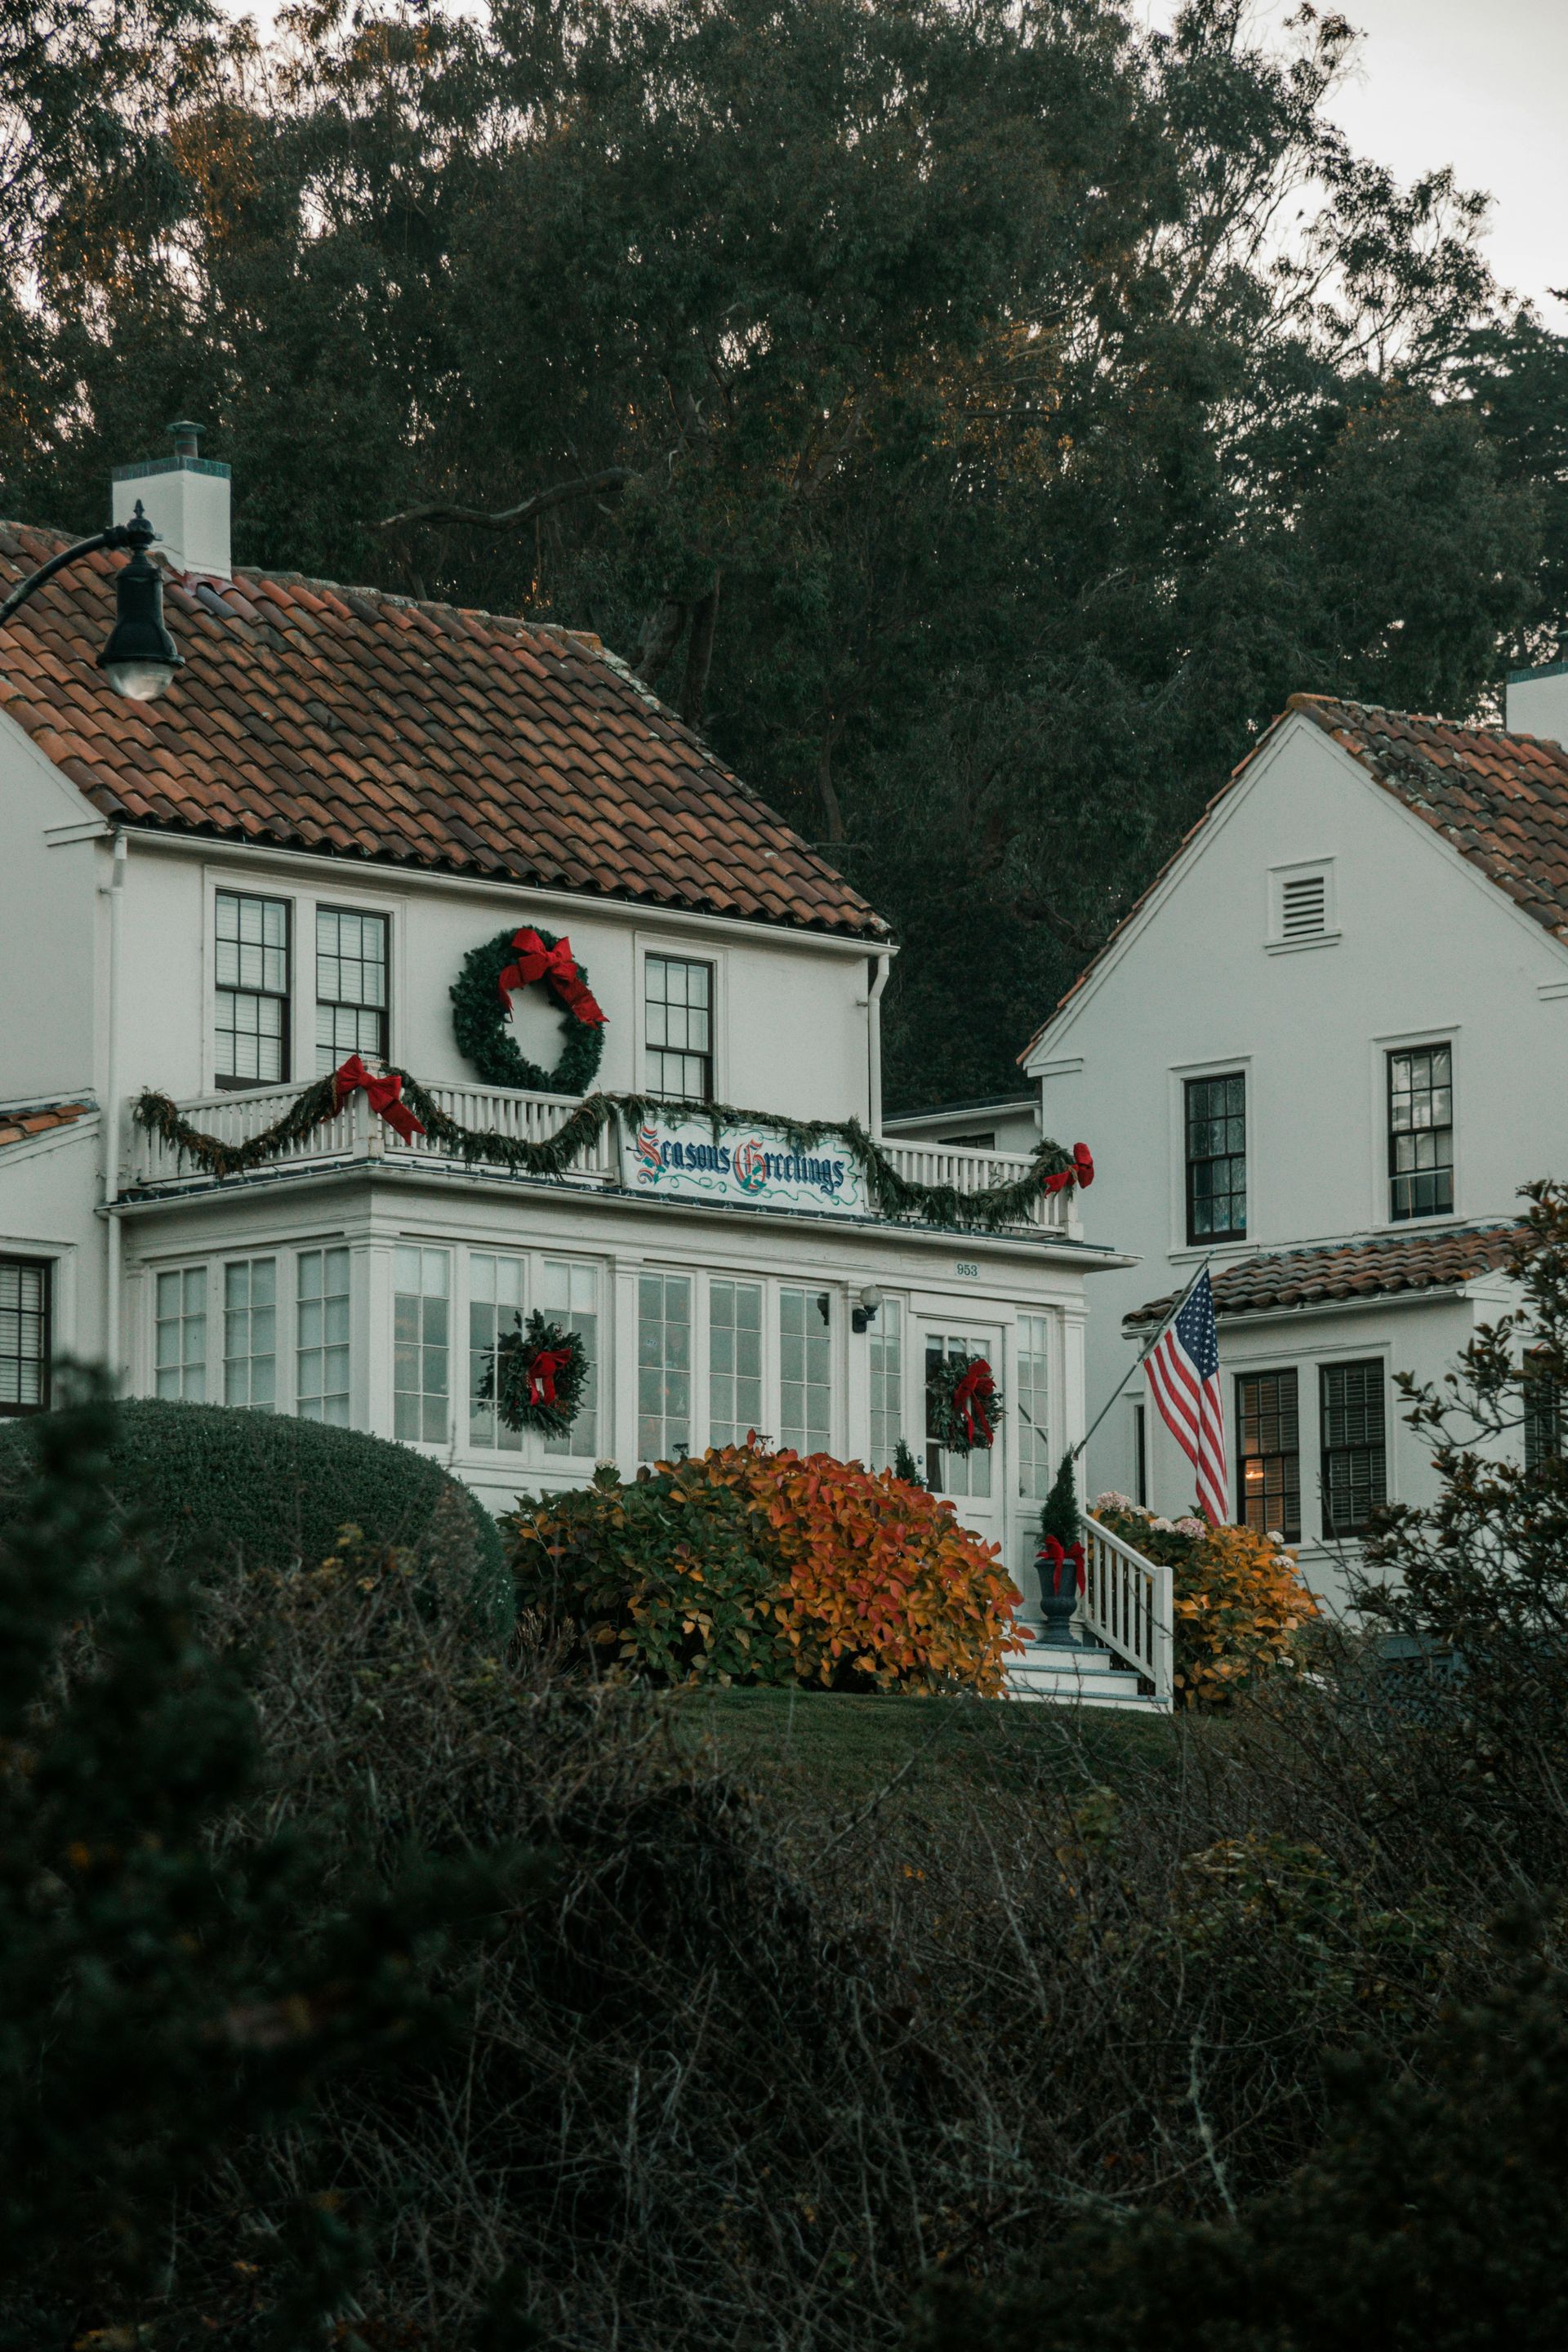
(892, 1195)
(479, 1021)
(946, 1420)
(508, 1377)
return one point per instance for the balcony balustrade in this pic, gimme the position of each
(152, 1167)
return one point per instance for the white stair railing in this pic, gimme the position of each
(1129, 1606)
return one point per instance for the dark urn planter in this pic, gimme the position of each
(1058, 1594)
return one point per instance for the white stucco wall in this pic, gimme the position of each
(791, 1009)
(51, 977)
(1427, 949)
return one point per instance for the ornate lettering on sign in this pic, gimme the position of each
(684, 1159)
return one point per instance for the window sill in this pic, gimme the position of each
(1295, 947)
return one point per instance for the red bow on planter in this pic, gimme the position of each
(541, 1374)
(1081, 1172)
(385, 1095)
(556, 964)
(970, 1397)
(1056, 1558)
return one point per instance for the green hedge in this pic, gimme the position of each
(209, 1486)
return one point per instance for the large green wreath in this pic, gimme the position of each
(964, 1426)
(484, 1038)
(536, 1375)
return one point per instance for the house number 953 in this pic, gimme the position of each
(965, 1266)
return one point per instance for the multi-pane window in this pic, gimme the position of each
(948, 1471)
(251, 970)
(1355, 1464)
(496, 1295)
(1421, 1133)
(350, 986)
(886, 1343)
(664, 1366)
(180, 1335)
(805, 1370)
(734, 1361)
(569, 1294)
(1268, 1454)
(1034, 1468)
(421, 1344)
(678, 1006)
(251, 1333)
(1543, 1400)
(1216, 1157)
(24, 1336)
(321, 1359)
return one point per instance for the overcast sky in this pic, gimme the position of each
(1479, 84)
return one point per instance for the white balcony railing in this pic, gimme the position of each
(1129, 1606)
(356, 1134)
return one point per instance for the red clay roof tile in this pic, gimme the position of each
(1430, 1260)
(458, 740)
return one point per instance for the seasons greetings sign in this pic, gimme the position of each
(686, 1159)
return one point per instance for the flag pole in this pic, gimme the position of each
(1073, 1452)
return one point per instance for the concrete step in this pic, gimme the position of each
(1074, 1677)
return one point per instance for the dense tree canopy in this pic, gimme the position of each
(978, 417)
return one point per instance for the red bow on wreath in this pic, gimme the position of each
(1081, 1173)
(1056, 1559)
(385, 1095)
(559, 966)
(542, 1372)
(969, 1398)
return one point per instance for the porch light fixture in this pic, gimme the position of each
(863, 1315)
(141, 658)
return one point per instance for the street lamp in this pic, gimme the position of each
(141, 658)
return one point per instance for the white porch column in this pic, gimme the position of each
(620, 1373)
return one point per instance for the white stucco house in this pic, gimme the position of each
(1324, 1053)
(220, 895)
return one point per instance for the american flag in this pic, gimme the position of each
(1183, 1372)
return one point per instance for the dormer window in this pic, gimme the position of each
(1301, 909)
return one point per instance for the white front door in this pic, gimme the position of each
(976, 1481)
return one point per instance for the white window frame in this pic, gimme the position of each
(712, 953)
(179, 1271)
(281, 1263)
(1381, 1218)
(302, 901)
(1222, 1248)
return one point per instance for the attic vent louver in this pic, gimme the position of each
(1304, 906)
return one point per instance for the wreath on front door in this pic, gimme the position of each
(965, 1403)
(482, 1009)
(535, 1375)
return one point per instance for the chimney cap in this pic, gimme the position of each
(187, 437)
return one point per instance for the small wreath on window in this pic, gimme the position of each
(481, 1008)
(535, 1375)
(965, 1404)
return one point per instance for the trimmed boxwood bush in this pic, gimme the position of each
(207, 1486)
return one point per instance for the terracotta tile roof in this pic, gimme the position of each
(1502, 800)
(349, 721)
(1360, 1269)
(21, 1125)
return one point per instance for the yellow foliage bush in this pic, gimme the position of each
(1241, 1606)
(744, 1566)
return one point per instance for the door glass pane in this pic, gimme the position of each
(805, 1370)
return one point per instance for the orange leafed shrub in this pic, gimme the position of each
(1242, 1608)
(741, 1565)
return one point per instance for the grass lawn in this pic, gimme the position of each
(840, 1750)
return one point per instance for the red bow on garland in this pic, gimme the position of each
(1056, 1558)
(556, 964)
(385, 1096)
(542, 1372)
(969, 1398)
(1081, 1173)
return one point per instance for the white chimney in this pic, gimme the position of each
(1535, 701)
(186, 499)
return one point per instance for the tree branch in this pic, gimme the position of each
(1031, 909)
(560, 494)
(662, 635)
(700, 656)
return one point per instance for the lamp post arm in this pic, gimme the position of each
(118, 535)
